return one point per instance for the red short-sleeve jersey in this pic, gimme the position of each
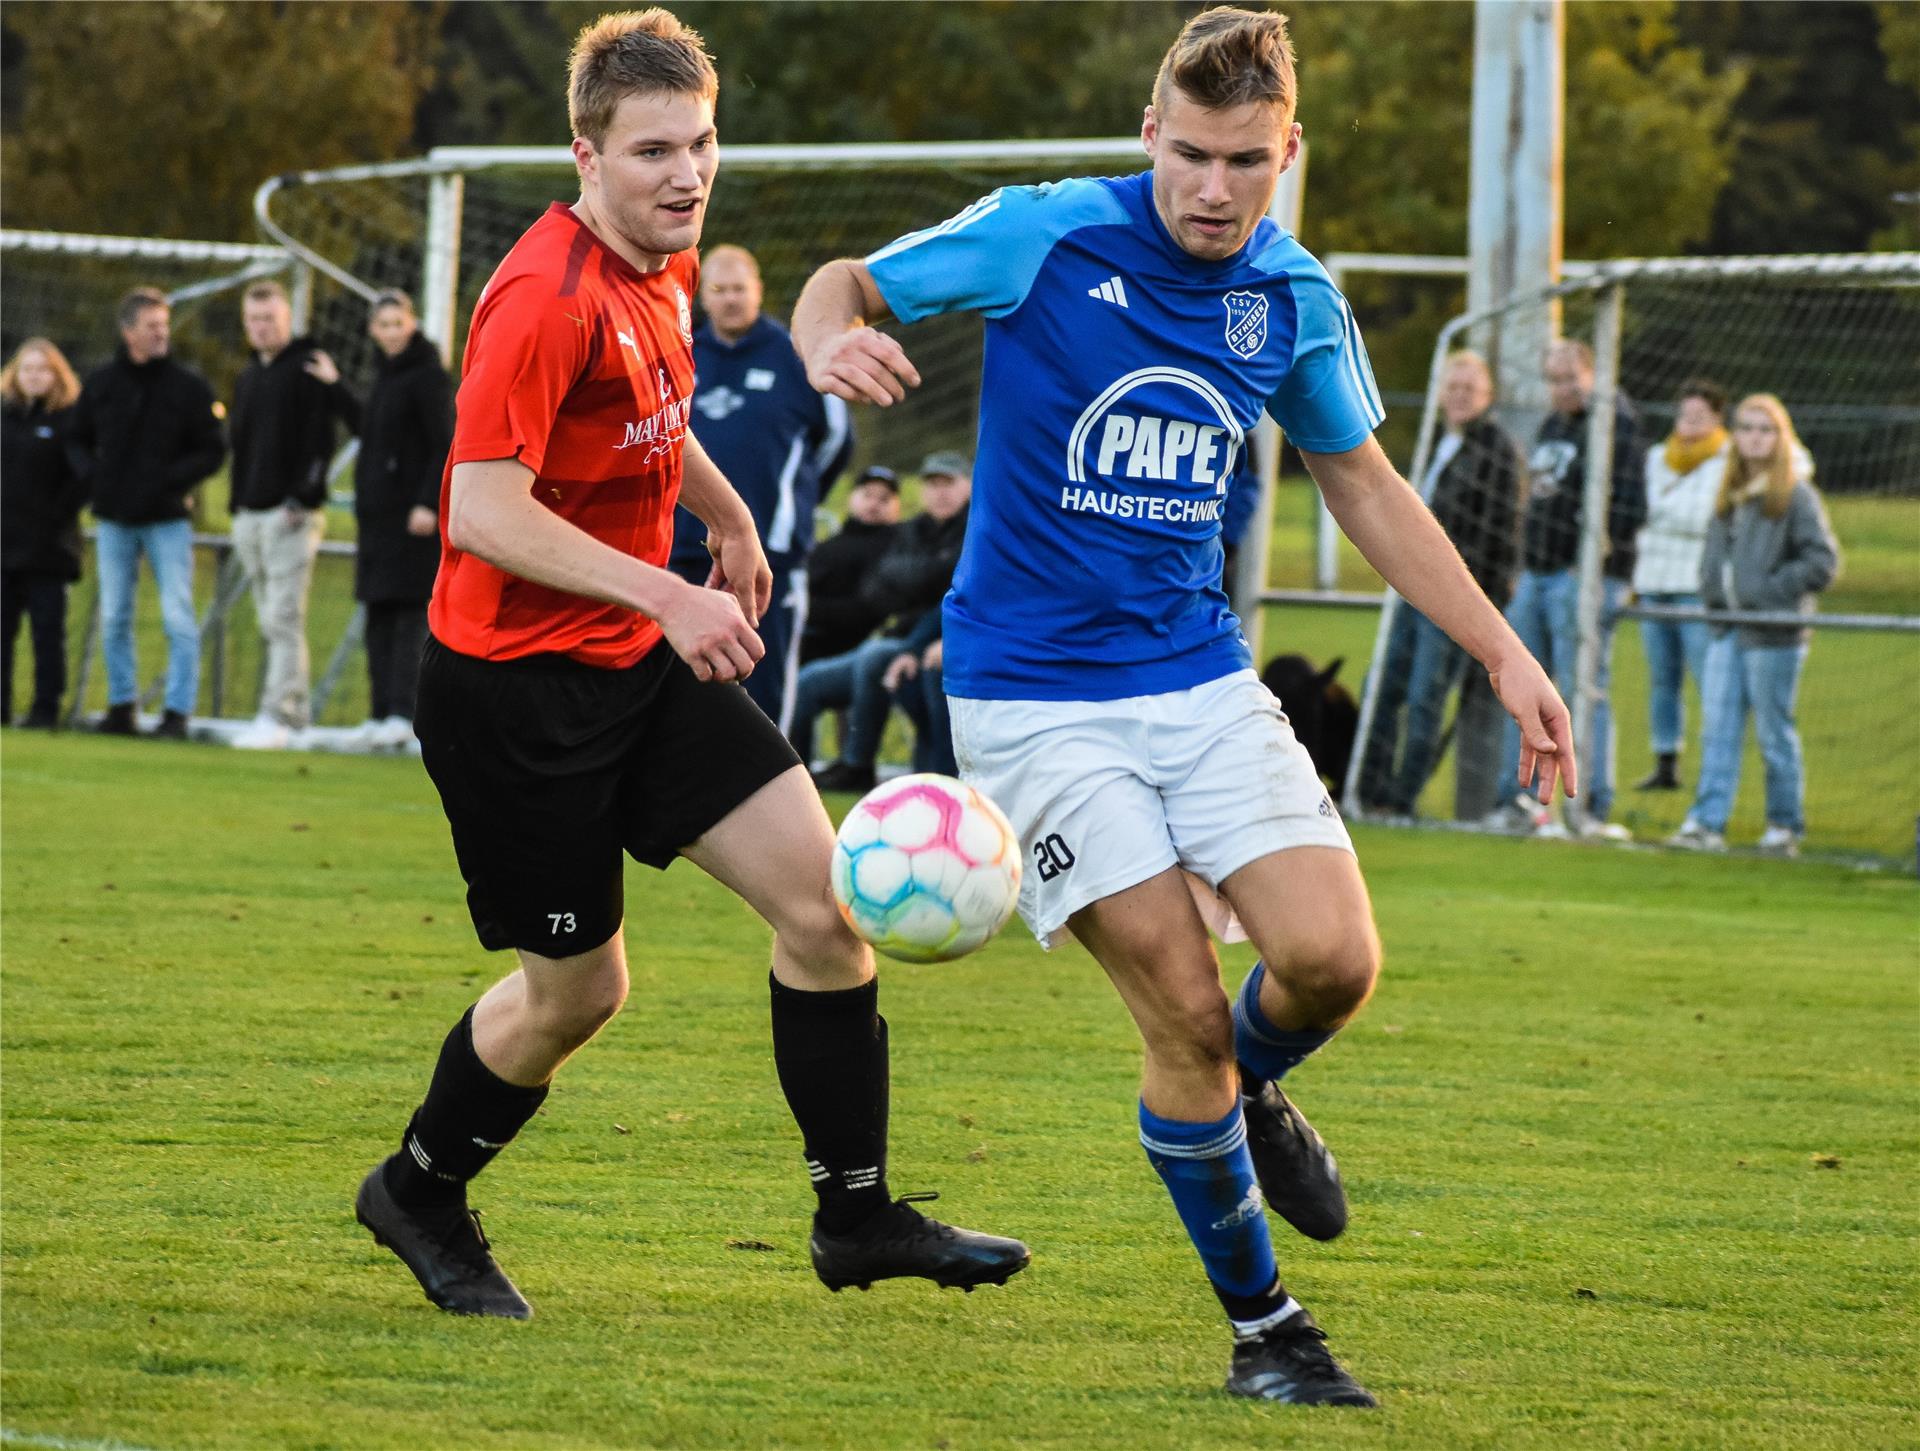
(581, 367)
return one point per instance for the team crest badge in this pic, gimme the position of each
(1246, 322)
(685, 310)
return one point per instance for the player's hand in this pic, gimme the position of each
(740, 567)
(900, 669)
(862, 365)
(422, 522)
(320, 365)
(1546, 726)
(707, 630)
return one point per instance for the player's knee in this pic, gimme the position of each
(1336, 976)
(815, 938)
(587, 1007)
(1194, 1033)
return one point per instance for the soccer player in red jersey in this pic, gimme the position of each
(578, 700)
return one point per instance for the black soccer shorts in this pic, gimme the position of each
(548, 769)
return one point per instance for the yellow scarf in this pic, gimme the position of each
(1684, 458)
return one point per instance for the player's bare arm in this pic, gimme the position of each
(739, 561)
(834, 333)
(1383, 515)
(493, 515)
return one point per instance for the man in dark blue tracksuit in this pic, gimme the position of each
(780, 444)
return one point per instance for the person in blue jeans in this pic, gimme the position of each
(147, 433)
(1683, 478)
(1544, 610)
(906, 584)
(1769, 547)
(1472, 485)
(918, 686)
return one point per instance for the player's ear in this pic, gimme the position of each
(584, 156)
(1149, 128)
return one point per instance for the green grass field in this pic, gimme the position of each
(1630, 1140)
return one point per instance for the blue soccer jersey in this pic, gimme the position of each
(1122, 379)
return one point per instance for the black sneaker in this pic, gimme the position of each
(844, 776)
(444, 1248)
(1291, 1363)
(1296, 1173)
(41, 718)
(900, 1241)
(118, 721)
(172, 727)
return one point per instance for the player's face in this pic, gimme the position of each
(392, 328)
(1465, 393)
(1695, 419)
(35, 374)
(269, 324)
(874, 504)
(1756, 435)
(730, 293)
(148, 335)
(651, 179)
(1214, 172)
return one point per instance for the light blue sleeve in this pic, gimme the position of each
(985, 258)
(1328, 402)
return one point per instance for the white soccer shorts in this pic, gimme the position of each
(1104, 794)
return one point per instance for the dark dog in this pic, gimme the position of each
(1324, 714)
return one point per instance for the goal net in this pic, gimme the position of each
(1837, 339)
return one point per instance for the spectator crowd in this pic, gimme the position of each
(1723, 513)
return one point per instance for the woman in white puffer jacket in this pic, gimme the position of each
(1683, 477)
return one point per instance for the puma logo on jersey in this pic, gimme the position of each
(626, 341)
(1112, 290)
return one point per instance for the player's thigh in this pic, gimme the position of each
(1150, 941)
(584, 988)
(1072, 778)
(525, 756)
(1307, 911)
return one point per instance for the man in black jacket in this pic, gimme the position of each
(1472, 484)
(1544, 610)
(904, 588)
(283, 430)
(838, 616)
(147, 432)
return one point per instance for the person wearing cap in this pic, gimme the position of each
(904, 588)
(780, 445)
(837, 617)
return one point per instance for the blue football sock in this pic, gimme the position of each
(1265, 1052)
(1209, 1173)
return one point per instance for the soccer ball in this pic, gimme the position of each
(926, 868)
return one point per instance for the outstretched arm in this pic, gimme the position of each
(1382, 514)
(491, 513)
(843, 352)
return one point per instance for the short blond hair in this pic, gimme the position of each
(1227, 57)
(66, 387)
(633, 53)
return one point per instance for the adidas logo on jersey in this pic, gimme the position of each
(1112, 290)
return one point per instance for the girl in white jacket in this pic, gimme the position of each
(1683, 477)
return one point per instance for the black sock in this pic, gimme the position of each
(470, 1114)
(831, 1052)
(1252, 1314)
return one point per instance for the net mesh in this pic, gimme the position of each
(1843, 353)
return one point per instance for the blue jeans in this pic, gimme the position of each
(849, 682)
(1764, 679)
(924, 700)
(1545, 615)
(1675, 649)
(169, 550)
(1422, 669)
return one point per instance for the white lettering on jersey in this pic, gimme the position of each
(1246, 322)
(1145, 446)
(759, 380)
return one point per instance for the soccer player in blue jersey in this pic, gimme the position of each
(1099, 686)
